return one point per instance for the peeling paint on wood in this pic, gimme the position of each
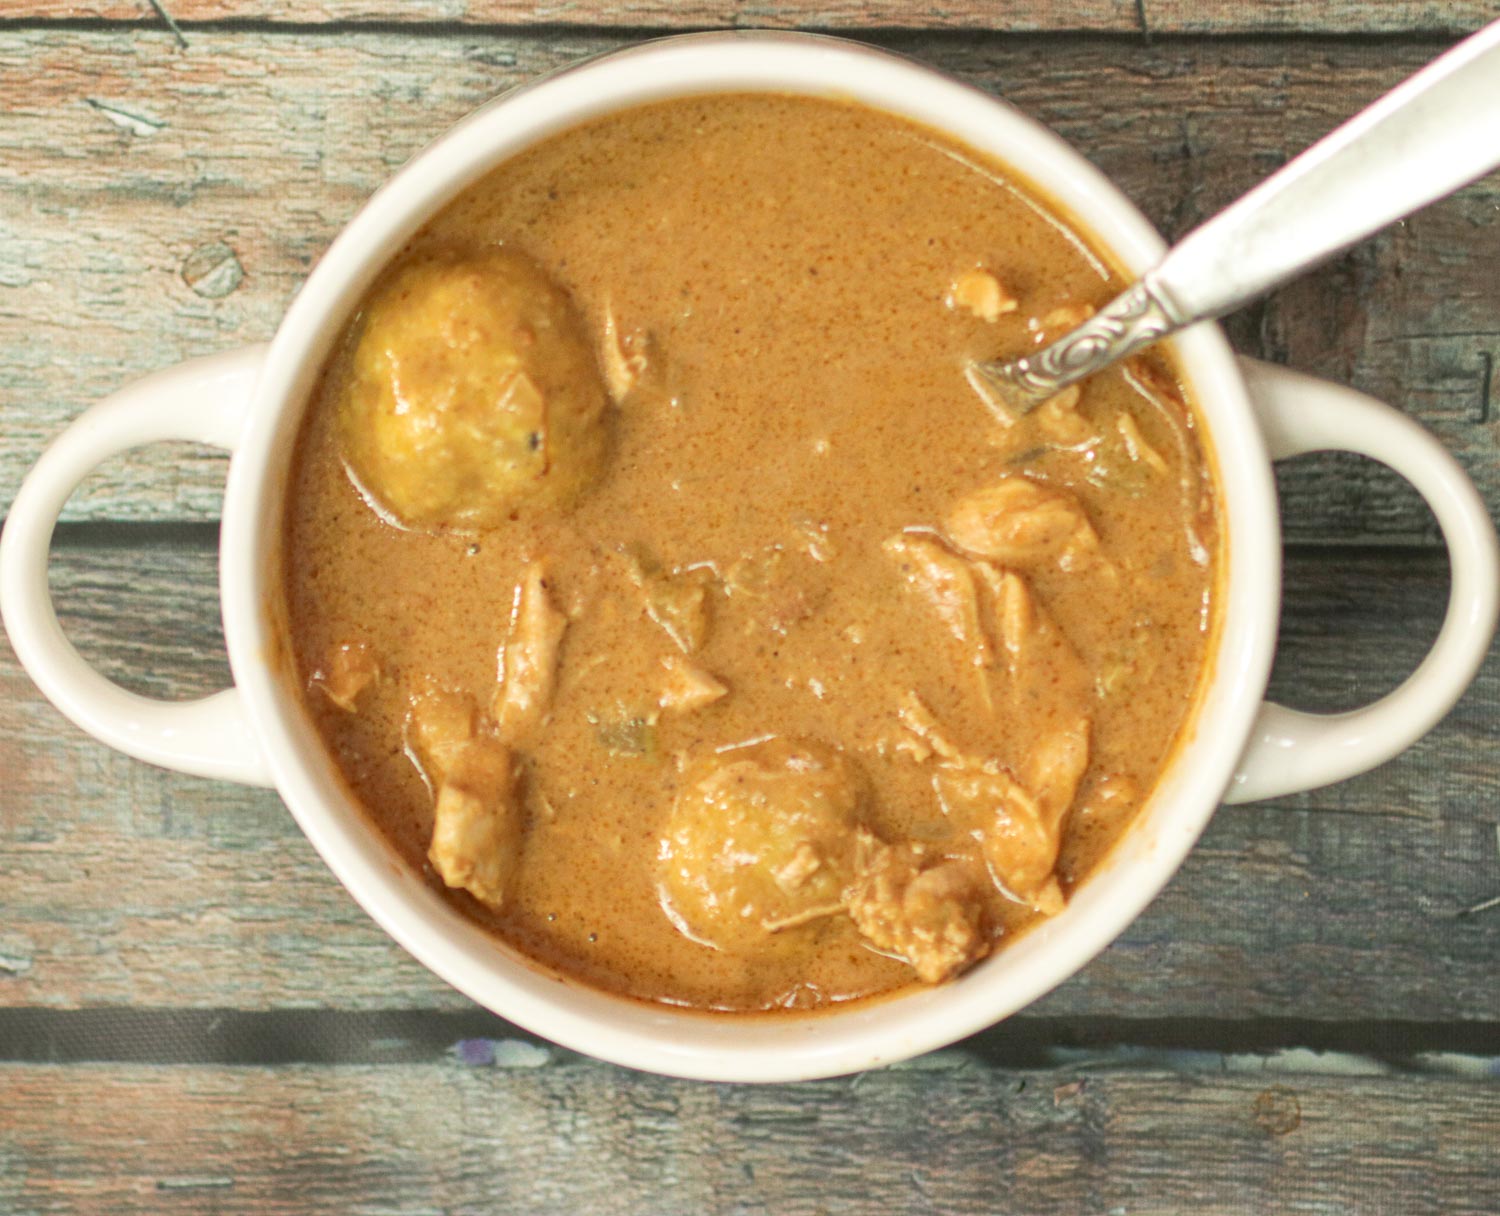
(501, 1053)
(136, 124)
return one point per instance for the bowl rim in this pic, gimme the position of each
(661, 1039)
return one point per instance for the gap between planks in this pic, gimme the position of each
(235, 1037)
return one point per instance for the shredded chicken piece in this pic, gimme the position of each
(1136, 445)
(1111, 799)
(904, 743)
(1059, 420)
(923, 728)
(351, 668)
(1055, 767)
(1015, 612)
(779, 924)
(931, 918)
(1014, 832)
(624, 356)
(477, 824)
(678, 602)
(688, 686)
(528, 659)
(946, 582)
(1026, 633)
(1023, 523)
(982, 294)
(1019, 827)
(440, 723)
(1059, 321)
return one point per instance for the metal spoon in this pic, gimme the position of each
(1429, 136)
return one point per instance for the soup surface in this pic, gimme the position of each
(666, 595)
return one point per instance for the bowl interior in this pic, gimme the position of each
(778, 1047)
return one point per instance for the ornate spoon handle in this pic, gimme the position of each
(1128, 322)
(1431, 135)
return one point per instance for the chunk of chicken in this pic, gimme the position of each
(1054, 770)
(528, 659)
(982, 294)
(688, 686)
(625, 355)
(1015, 833)
(472, 389)
(1019, 827)
(350, 668)
(1136, 446)
(923, 736)
(1059, 420)
(1022, 523)
(760, 839)
(677, 601)
(1044, 668)
(1061, 320)
(930, 917)
(946, 582)
(440, 723)
(477, 822)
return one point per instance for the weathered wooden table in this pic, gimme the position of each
(195, 1017)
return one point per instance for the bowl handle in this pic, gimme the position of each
(205, 401)
(1291, 751)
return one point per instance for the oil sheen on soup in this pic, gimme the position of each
(669, 599)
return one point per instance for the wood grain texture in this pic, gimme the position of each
(1118, 16)
(561, 1135)
(155, 205)
(129, 885)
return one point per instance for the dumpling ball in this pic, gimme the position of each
(472, 390)
(760, 840)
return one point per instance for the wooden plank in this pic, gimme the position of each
(1120, 16)
(1450, 17)
(233, 166)
(128, 885)
(665, 15)
(547, 1134)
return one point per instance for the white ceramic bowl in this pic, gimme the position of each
(250, 401)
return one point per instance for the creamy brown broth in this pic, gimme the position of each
(785, 270)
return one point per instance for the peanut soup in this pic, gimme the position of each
(667, 596)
